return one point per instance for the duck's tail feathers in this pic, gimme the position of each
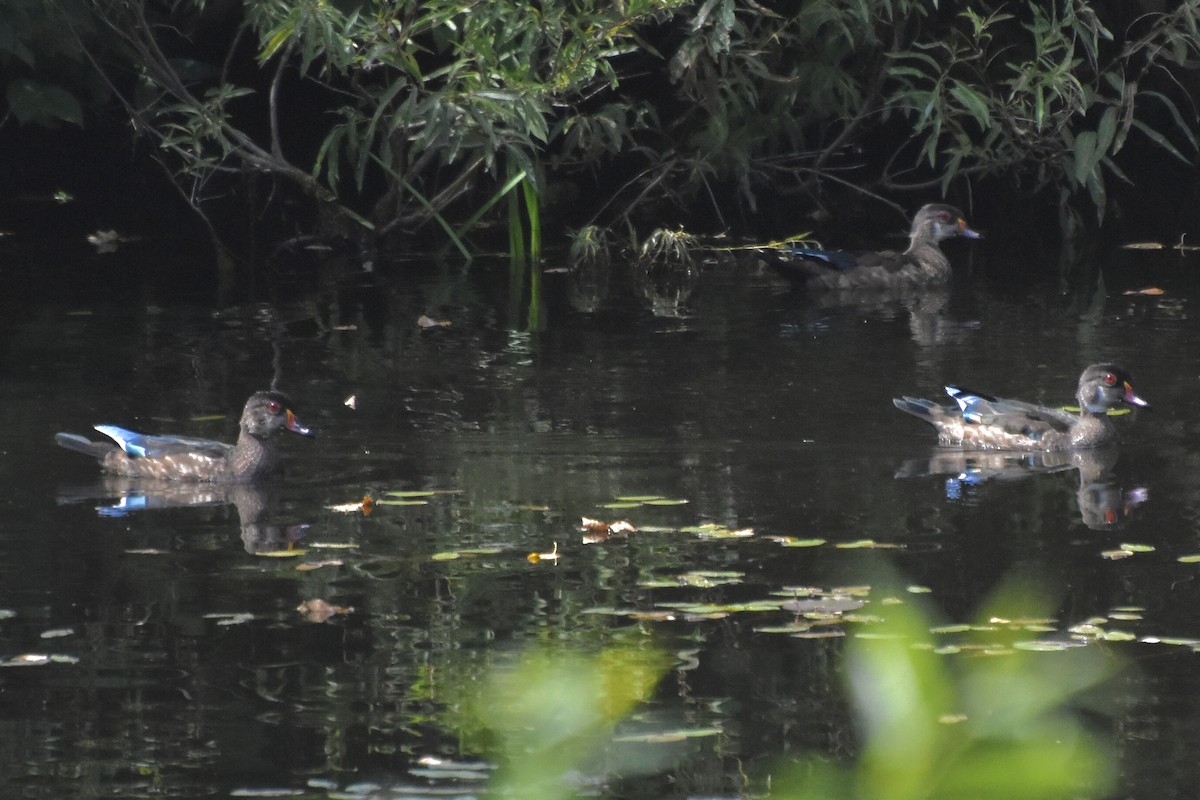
(73, 441)
(919, 407)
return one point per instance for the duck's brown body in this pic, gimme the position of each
(922, 264)
(982, 422)
(255, 456)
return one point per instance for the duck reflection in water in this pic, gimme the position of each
(1102, 503)
(256, 505)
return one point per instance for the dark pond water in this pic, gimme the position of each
(168, 658)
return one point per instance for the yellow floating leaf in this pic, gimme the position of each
(448, 555)
(401, 502)
(534, 558)
(1150, 291)
(665, 501)
(638, 498)
(282, 553)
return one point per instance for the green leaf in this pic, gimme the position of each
(1085, 156)
(43, 104)
(975, 104)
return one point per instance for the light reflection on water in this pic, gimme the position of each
(763, 411)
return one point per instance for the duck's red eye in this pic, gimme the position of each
(274, 406)
(1110, 379)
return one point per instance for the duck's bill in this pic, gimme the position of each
(294, 425)
(1132, 399)
(963, 230)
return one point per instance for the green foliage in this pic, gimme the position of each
(994, 721)
(551, 711)
(413, 113)
(43, 68)
(1046, 90)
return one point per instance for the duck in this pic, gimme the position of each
(980, 421)
(922, 264)
(254, 457)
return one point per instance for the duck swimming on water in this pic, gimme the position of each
(980, 421)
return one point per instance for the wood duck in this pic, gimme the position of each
(254, 457)
(922, 264)
(979, 421)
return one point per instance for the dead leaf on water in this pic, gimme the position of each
(351, 402)
(317, 610)
(1143, 246)
(534, 558)
(596, 530)
(365, 505)
(424, 321)
(1149, 291)
(309, 566)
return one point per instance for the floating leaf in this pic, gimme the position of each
(309, 566)
(401, 502)
(449, 555)
(669, 736)
(790, 628)
(351, 402)
(56, 633)
(862, 544)
(1137, 548)
(711, 530)
(665, 501)
(788, 541)
(1189, 559)
(1143, 246)
(412, 493)
(619, 504)
(638, 498)
(1115, 555)
(1047, 645)
(837, 604)
(1151, 291)
(365, 505)
(424, 321)
(26, 660)
(1170, 640)
(317, 610)
(293, 553)
(534, 558)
